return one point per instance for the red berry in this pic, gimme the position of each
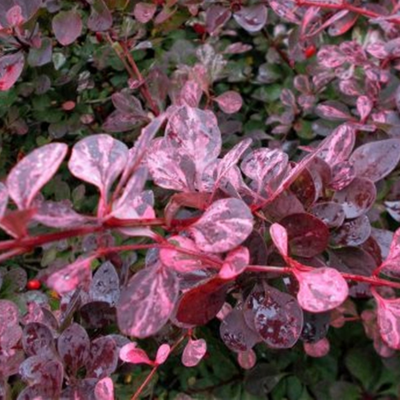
(33, 284)
(310, 51)
(199, 29)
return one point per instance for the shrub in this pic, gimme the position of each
(122, 248)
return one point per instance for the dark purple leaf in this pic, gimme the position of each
(122, 122)
(315, 326)
(127, 104)
(11, 67)
(41, 55)
(73, 347)
(37, 338)
(10, 361)
(235, 263)
(105, 284)
(98, 159)
(251, 18)
(308, 235)
(67, 26)
(58, 214)
(194, 352)
(147, 302)
(27, 178)
(304, 188)
(329, 213)
(104, 389)
(201, 304)
(229, 102)
(98, 314)
(356, 198)
(72, 276)
(236, 334)
(375, 160)
(393, 208)
(100, 18)
(321, 289)
(225, 225)
(144, 12)
(352, 232)
(283, 205)
(103, 358)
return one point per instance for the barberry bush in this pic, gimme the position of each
(199, 199)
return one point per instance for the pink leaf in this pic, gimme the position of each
(388, 311)
(216, 17)
(144, 12)
(318, 349)
(391, 266)
(67, 26)
(375, 160)
(225, 225)
(71, 276)
(364, 107)
(229, 102)
(280, 238)
(247, 359)
(104, 389)
(98, 159)
(190, 94)
(321, 289)
(3, 199)
(235, 263)
(356, 198)
(15, 222)
(162, 354)
(100, 18)
(333, 111)
(27, 178)
(194, 352)
(131, 354)
(14, 16)
(10, 332)
(147, 302)
(252, 18)
(339, 145)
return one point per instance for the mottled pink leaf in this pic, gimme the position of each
(342, 175)
(329, 213)
(393, 208)
(58, 214)
(194, 133)
(33, 172)
(265, 167)
(318, 349)
(225, 225)
(339, 145)
(251, 18)
(162, 354)
(11, 67)
(15, 222)
(308, 236)
(14, 16)
(103, 358)
(280, 238)
(132, 354)
(98, 314)
(100, 18)
(67, 26)
(247, 359)
(216, 17)
(237, 48)
(229, 102)
(190, 94)
(3, 199)
(74, 347)
(321, 289)
(388, 311)
(391, 266)
(352, 232)
(202, 303)
(178, 260)
(104, 389)
(235, 263)
(375, 160)
(147, 302)
(144, 12)
(333, 111)
(98, 159)
(10, 332)
(71, 276)
(37, 338)
(364, 107)
(236, 334)
(342, 25)
(194, 352)
(356, 198)
(105, 284)
(285, 10)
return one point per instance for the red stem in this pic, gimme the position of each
(145, 383)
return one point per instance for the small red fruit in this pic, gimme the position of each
(310, 51)
(33, 284)
(199, 29)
